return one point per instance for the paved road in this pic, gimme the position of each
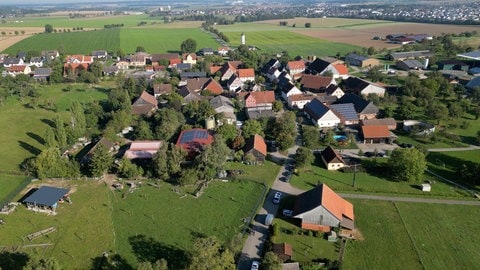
(469, 148)
(407, 199)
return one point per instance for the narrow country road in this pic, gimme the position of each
(469, 148)
(407, 199)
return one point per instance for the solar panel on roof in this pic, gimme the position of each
(346, 110)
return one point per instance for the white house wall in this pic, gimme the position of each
(319, 216)
(329, 119)
(373, 89)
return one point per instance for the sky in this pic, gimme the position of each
(40, 2)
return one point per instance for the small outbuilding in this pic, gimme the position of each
(283, 251)
(332, 160)
(426, 187)
(45, 199)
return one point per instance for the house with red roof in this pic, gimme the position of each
(321, 209)
(160, 89)
(145, 104)
(193, 140)
(255, 147)
(342, 71)
(299, 101)
(295, 67)
(143, 149)
(376, 134)
(246, 74)
(189, 58)
(259, 100)
(228, 69)
(223, 51)
(173, 62)
(79, 59)
(316, 84)
(21, 69)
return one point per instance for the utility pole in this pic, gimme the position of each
(354, 173)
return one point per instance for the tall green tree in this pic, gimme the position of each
(160, 163)
(49, 138)
(129, 170)
(188, 46)
(208, 254)
(101, 161)
(407, 164)
(50, 163)
(271, 261)
(176, 157)
(48, 28)
(285, 130)
(303, 157)
(77, 119)
(143, 131)
(251, 127)
(167, 123)
(212, 159)
(60, 132)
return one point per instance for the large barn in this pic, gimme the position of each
(45, 199)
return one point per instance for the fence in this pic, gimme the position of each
(9, 197)
(255, 209)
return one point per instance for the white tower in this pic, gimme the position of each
(242, 39)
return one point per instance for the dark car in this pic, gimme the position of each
(369, 154)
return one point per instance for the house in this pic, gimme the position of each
(206, 51)
(79, 59)
(320, 67)
(223, 51)
(259, 113)
(228, 69)
(295, 67)
(284, 251)
(203, 84)
(163, 57)
(193, 140)
(189, 58)
(409, 64)
(346, 112)
(145, 75)
(36, 61)
(322, 209)
(474, 55)
(109, 145)
(137, 60)
(16, 70)
(398, 56)
(255, 147)
(299, 101)
(49, 54)
(246, 74)
(12, 61)
(160, 89)
(192, 74)
(361, 60)
(342, 71)
(224, 106)
(389, 122)
(271, 69)
(473, 83)
(189, 95)
(290, 90)
(452, 65)
(235, 83)
(402, 40)
(42, 74)
(100, 54)
(320, 115)
(45, 199)
(376, 134)
(362, 87)
(332, 160)
(142, 149)
(316, 84)
(364, 108)
(122, 65)
(334, 90)
(145, 104)
(110, 70)
(259, 100)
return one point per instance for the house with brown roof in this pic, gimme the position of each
(138, 60)
(246, 74)
(228, 69)
(189, 58)
(203, 84)
(376, 134)
(284, 251)
(295, 67)
(389, 122)
(362, 87)
(322, 209)
(332, 159)
(145, 104)
(143, 149)
(21, 69)
(160, 89)
(109, 145)
(255, 147)
(259, 100)
(316, 84)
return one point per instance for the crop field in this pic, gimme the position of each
(368, 183)
(422, 236)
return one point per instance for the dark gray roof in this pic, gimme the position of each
(345, 111)
(472, 55)
(316, 109)
(361, 105)
(11, 61)
(193, 74)
(40, 72)
(220, 101)
(183, 66)
(308, 200)
(356, 57)
(47, 196)
(412, 54)
(318, 66)
(410, 64)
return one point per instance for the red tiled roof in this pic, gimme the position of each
(370, 132)
(301, 97)
(148, 98)
(185, 55)
(296, 65)
(175, 61)
(342, 69)
(262, 96)
(335, 204)
(315, 82)
(259, 144)
(215, 69)
(246, 72)
(214, 87)
(20, 68)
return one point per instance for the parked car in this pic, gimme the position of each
(255, 265)
(276, 197)
(287, 212)
(369, 154)
(406, 145)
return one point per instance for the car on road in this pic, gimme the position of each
(276, 197)
(287, 212)
(369, 154)
(255, 265)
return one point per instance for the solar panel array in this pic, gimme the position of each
(347, 110)
(194, 134)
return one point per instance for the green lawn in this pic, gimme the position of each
(439, 241)
(447, 164)
(84, 228)
(367, 183)
(265, 173)
(8, 183)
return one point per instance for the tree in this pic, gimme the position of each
(158, 265)
(188, 177)
(455, 110)
(308, 25)
(212, 159)
(101, 160)
(208, 254)
(271, 261)
(238, 142)
(407, 164)
(49, 163)
(277, 106)
(48, 28)
(160, 163)
(229, 132)
(285, 130)
(143, 131)
(437, 110)
(310, 137)
(60, 132)
(251, 127)
(129, 170)
(303, 157)
(188, 46)
(140, 49)
(371, 50)
(167, 122)
(176, 156)
(49, 138)
(77, 119)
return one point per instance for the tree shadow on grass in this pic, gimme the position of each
(32, 149)
(36, 137)
(149, 249)
(110, 262)
(13, 261)
(49, 122)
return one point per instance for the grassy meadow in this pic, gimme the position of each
(395, 237)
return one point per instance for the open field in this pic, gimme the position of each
(447, 164)
(437, 241)
(367, 183)
(8, 183)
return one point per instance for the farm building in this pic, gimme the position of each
(45, 199)
(321, 209)
(193, 140)
(409, 64)
(332, 160)
(390, 122)
(283, 251)
(376, 134)
(361, 60)
(362, 87)
(145, 104)
(398, 56)
(475, 55)
(143, 149)
(256, 147)
(346, 112)
(452, 65)
(364, 108)
(320, 115)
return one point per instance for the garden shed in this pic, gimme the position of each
(45, 199)
(426, 187)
